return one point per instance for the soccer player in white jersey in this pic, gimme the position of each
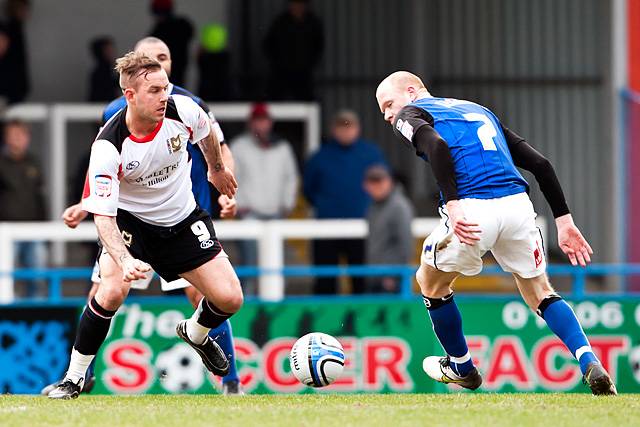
(73, 215)
(485, 208)
(138, 188)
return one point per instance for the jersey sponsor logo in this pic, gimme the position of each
(132, 165)
(158, 176)
(174, 144)
(206, 244)
(102, 185)
(405, 129)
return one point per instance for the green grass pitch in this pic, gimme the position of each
(465, 409)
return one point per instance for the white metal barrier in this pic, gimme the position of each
(57, 117)
(271, 236)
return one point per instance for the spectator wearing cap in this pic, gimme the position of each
(390, 240)
(266, 171)
(333, 179)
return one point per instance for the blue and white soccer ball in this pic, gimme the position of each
(317, 359)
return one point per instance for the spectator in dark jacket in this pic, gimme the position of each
(176, 32)
(103, 83)
(293, 45)
(390, 240)
(21, 193)
(333, 185)
(14, 72)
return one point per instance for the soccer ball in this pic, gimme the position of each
(317, 359)
(180, 369)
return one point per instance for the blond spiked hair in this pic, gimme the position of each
(134, 65)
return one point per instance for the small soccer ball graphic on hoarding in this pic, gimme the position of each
(317, 359)
(180, 369)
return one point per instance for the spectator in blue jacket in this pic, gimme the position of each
(333, 179)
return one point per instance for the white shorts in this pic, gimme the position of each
(508, 230)
(144, 283)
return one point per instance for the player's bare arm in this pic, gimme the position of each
(570, 239)
(219, 175)
(111, 238)
(74, 215)
(228, 205)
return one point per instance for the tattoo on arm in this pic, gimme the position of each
(111, 238)
(210, 147)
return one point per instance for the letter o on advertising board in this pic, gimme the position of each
(515, 315)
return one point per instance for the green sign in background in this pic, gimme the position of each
(387, 340)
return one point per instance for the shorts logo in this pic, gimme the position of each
(132, 165)
(127, 238)
(102, 185)
(174, 144)
(537, 255)
(206, 244)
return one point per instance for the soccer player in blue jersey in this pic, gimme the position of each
(485, 208)
(204, 194)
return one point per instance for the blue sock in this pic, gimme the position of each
(224, 337)
(91, 369)
(563, 322)
(447, 324)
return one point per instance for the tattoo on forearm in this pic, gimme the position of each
(210, 147)
(112, 239)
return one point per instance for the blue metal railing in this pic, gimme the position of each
(56, 276)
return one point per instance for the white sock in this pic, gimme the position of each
(78, 365)
(195, 331)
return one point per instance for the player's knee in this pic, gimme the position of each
(111, 297)
(193, 295)
(429, 288)
(232, 302)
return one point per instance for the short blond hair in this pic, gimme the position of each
(134, 65)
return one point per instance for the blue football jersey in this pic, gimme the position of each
(199, 182)
(483, 165)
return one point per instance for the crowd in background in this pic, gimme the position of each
(348, 177)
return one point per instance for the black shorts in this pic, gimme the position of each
(171, 250)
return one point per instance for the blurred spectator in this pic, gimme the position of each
(213, 64)
(293, 45)
(267, 175)
(390, 240)
(103, 82)
(265, 169)
(14, 73)
(333, 185)
(176, 32)
(21, 193)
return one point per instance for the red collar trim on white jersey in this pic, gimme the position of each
(150, 137)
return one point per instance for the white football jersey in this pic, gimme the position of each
(150, 176)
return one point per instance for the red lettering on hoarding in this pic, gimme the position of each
(348, 380)
(508, 365)
(607, 348)
(275, 354)
(248, 353)
(478, 346)
(128, 366)
(385, 361)
(544, 356)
